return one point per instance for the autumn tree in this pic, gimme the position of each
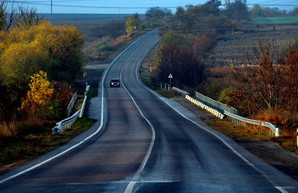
(39, 96)
(269, 85)
(64, 47)
(55, 49)
(133, 23)
(259, 82)
(25, 51)
(175, 56)
(289, 91)
(20, 60)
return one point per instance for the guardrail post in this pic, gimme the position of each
(277, 134)
(55, 131)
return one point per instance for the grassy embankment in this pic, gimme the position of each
(15, 150)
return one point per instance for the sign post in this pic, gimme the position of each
(170, 78)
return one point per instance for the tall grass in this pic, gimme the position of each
(282, 118)
(34, 139)
(7, 129)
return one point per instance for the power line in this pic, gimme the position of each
(124, 7)
(86, 6)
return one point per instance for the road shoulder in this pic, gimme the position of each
(268, 151)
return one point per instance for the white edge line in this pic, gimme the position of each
(84, 140)
(132, 183)
(281, 189)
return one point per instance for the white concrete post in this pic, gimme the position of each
(277, 134)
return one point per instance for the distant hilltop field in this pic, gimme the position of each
(88, 18)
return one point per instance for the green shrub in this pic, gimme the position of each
(104, 47)
(224, 95)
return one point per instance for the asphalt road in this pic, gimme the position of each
(145, 143)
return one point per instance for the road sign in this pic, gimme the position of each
(170, 78)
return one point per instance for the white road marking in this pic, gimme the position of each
(84, 140)
(136, 176)
(281, 189)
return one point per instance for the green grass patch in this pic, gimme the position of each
(275, 20)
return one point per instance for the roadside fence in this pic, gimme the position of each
(182, 92)
(71, 103)
(68, 122)
(242, 121)
(207, 108)
(215, 104)
(234, 117)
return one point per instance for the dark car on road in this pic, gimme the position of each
(115, 83)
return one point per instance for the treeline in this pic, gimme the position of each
(38, 64)
(259, 11)
(188, 38)
(266, 87)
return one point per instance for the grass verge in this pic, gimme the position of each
(17, 150)
(242, 133)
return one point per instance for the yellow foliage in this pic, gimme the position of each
(25, 51)
(20, 60)
(40, 93)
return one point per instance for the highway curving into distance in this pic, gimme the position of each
(144, 143)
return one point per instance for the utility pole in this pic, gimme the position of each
(51, 7)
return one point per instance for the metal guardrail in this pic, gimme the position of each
(183, 92)
(207, 108)
(68, 122)
(215, 104)
(71, 103)
(235, 118)
(241, 120)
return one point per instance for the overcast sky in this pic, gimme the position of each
(129, 6)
